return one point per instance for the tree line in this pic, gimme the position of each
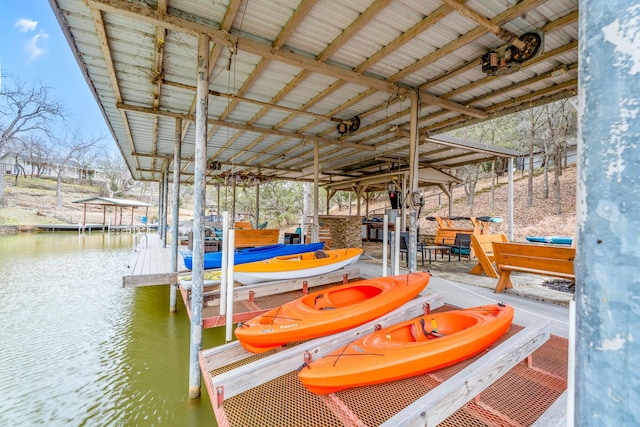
(34, 126)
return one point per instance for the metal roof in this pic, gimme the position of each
(284, 74)
(106, 201)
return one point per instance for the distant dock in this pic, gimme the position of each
(91, 227)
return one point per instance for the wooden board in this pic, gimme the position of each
(246, 238)
(243, 378)
(435, 406)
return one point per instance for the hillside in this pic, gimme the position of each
(33, 201)
(537, 220)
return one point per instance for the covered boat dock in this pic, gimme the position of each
(201, 92)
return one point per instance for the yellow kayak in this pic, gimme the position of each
(211, 278)
(290, 267)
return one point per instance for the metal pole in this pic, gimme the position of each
(175, 212)
(229, 285)
(233, 201)
(197, 281)
(160, 201)
(396, 245)
(510, 197)
(413, 182)
(225, 261)
(316, 191)
(257, 205)
(165, 204)
(385, 241)
(607, 263)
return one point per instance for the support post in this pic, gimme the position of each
(165, 203)
(315, 235)
(160, 201)
(385, 243)
(510, 197)
(225, 262)
(257, 205)
(199, 193)
(413, 182)
(396, 246)
(607, 251)
(229, 286)
(175, 212)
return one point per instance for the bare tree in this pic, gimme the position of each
(560, 118)
(25, 109)
(39, 151)
(69, 146)
(118, 176)
(532, 124)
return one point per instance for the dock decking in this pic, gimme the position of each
(150, 263)
(511, 384)
(519, 381)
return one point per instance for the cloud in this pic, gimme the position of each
(33, 46)
(25, 25)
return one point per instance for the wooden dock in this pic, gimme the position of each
(150, 263)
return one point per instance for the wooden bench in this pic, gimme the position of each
(243, 225)
(324, 235)
(483, 248)
(249, 237)
(545, 260)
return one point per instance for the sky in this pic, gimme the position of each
(33, 48)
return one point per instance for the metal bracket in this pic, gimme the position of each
(219, 395)
(426, 308)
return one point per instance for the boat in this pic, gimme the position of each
(258, 253)
(409, 348)
(210, 278)
(291, 267)
(556, 240)
(329, 311)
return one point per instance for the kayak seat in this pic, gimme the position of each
(414, 332)
(321, 254)
(322, 302)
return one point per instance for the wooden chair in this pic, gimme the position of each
(482, 246)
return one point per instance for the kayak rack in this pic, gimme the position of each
(267, 366)
(263, 389)
(252, 300)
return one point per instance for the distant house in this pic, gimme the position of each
(16, 163)
(569, 157)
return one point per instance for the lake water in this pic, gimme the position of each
(76, 349)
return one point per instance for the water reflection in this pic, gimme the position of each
(78, 349)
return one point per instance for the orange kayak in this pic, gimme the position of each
(329, 311)
(410, 348)
(289, 267)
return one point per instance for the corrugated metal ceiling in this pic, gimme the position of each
(286, 72)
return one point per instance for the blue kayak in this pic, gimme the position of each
(259, 253)
(556, 240)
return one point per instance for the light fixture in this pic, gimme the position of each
(559, 70)
(351, 125)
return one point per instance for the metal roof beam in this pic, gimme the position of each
(240, 126)
(155, 17)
